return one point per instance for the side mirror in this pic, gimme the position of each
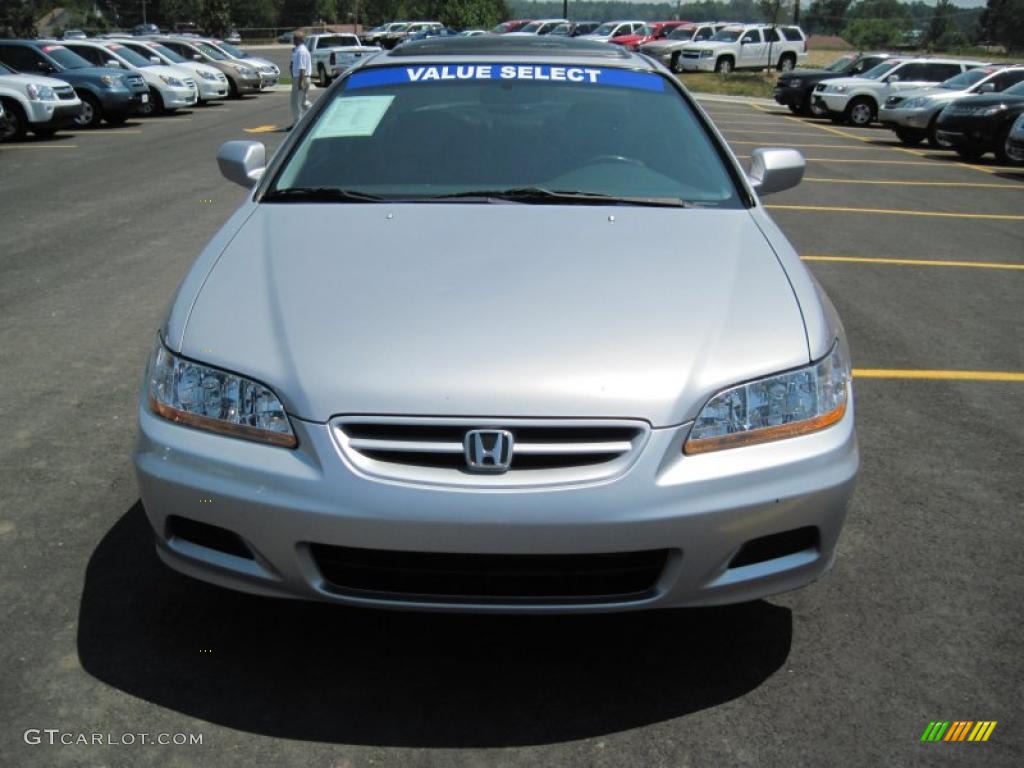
(243, 162)
(197, 57)
(114, 63)
(155, 59)
(775, 169)
(892, 79)
(987, 88)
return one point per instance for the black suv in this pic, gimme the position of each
(978, 124)
(794, 88)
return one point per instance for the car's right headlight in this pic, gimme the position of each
(836, 88)
(112, 81)
(918, 103)
(707, 53)
(210, 399)
(40, 92)
(773, 408)
(242, 69)
(172, 81)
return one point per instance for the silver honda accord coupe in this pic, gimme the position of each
(502, 326)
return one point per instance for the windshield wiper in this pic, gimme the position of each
(320, 195)
(554, 196)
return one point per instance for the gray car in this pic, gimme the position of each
(440, 374)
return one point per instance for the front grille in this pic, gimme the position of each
(67, 93)
(454, 578)
(543, 451)
(191, 84)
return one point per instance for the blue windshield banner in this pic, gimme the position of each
(439, 73)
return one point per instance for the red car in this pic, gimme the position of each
(510, 26)
(655, 30)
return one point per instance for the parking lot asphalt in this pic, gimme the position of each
(920, 619)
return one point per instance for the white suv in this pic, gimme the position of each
(855, 100)
(611, 29)
(748, 46)
(34, 103)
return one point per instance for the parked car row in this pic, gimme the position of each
(46, 85)
(964, 105)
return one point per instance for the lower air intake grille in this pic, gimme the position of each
(445, 577)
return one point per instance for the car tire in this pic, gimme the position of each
(860, 112)
(233, 91)
(1002, 139)
(13, 125)
(969, 153)
(322, 78)
(795, 109)
(674, 64)
(910, 137)
(932, 134)
(724, 65)
(92, 113)
(787, 62)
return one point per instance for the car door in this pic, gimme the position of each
(772, 45)
(909, 76)
(752, 53)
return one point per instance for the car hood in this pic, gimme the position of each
(39, 80)
(505, 310)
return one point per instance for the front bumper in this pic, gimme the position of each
(53, 114)
(175, 98)
(702, 508)
(698, 63)
(919, 118)
(790, 96)
(832, 102)
(268, 79)
(210, 90)
(967, 132)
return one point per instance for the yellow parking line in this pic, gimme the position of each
(907, 183)
(807, 146)
(731, 129)
(118, 132)
(916, 262)
(898, 373)
(897, 212)
(261, 129)
(37, 146)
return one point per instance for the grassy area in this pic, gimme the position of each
(758, 84)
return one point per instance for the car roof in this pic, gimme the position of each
(519, 48)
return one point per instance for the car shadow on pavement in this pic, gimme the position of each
(312, 671)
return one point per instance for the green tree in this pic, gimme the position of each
(826, 16)
(215, 17)
(873, 33)
(1003, 22)
(942, 30)
(18, 18)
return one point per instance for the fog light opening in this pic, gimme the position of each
(776, 545)
(209, 536)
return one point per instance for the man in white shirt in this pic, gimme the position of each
(302, 71)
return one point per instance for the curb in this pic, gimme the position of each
(701, 96)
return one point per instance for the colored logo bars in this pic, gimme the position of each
(958, 730)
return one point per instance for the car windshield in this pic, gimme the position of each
(65, 58)
(839, 64)
(238, 53)
(561, 29)
(500, 130)
(727, 36)
(133, 58)
(212, 52)
(166, 52)
(965, 79)
(5, 70)
(606, 29)
(681, 33)
(879, 70)
(532, 27)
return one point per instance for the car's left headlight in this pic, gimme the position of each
(837, 89)
(989, 111)
(207, 75)
(774, 408)
(242, 69)
(40, 92)
(794, 82)
(707, 53)
(172, 81)
(207, 398)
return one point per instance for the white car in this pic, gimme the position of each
(212, 83)
(538, 27)
(668, 49)
(34, 103)
(332, 54)
(611, 29)
(855, 100)
(913, 115)
(170, 87)
(746, 46)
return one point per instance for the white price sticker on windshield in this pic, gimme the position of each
(352, 116)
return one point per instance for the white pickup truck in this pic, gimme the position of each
(333, 53)
(746, 46)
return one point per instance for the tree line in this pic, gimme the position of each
(863, 23)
